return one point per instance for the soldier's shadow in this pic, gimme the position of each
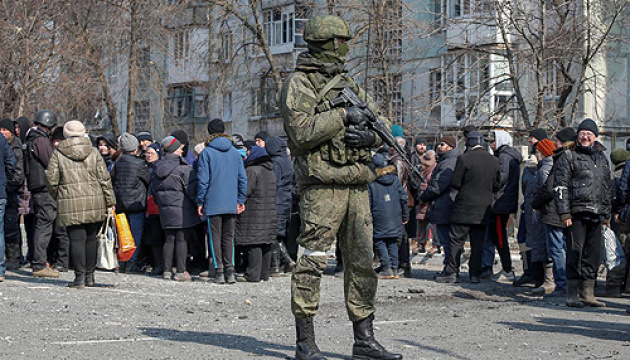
(246, 344)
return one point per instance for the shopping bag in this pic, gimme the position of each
(611, 249)
(126, 244)
(106, 252)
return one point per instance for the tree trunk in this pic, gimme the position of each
(133, 68)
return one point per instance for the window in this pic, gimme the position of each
(256, 102)
(395, 93)
(435, 85)
(200, 98)
(461, 8)
(181, 44)
(143, 112)
(394, 32)
(227, 106)
(144, 57)
(179, 100)
(279, 27)
(226, 47)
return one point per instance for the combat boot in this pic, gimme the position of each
(548, 285)
(365, 345)
(572, 293)
(79, 281)
(306, 348)
(588, 294)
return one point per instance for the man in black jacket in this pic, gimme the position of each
(477, 177)
(14, 186)
(582, 196)
(438, 193)
(130, 178)
(7, 169)
(38, 152)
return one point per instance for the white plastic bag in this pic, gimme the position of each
(106, 257)
(611, 249)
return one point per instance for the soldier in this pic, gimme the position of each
(333, 165)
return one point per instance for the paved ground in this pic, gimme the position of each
(138, 317)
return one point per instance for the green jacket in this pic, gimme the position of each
(78, 179)
(315, 137)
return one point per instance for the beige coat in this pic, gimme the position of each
(78, 179)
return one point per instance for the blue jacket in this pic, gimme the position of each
(7, 166)
(388, 202)
(222, 178)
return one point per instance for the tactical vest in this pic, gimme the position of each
(335, 150)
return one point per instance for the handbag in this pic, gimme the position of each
(612, 252)
(106, 251)
(126, 244)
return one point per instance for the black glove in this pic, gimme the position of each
(354, 116)
(358, 138)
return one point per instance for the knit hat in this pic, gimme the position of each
(170, 144)
(474, 138)
(546, 147)
(157, 149)
(420, 140)
(57, 134)
(469, 128)
(262, 135)
(397, 131)
(216, 126)
(566, 134)
(450, 141)
(590, 125)
(428, 158)
(128, 142)
(538, 134)
(73, 128)
(6, 123)
(144, 135)
(619, 156)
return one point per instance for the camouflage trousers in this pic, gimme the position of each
(329, 212)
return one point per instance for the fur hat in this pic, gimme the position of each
(73, 128)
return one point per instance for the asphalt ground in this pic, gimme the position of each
(141, 317)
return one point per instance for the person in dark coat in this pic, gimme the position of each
(439, 195)
(182, 137)
(285, 183)
(130, 177)
(153, 235)
(174, 185)
(14, 186)
(527, 222)
(7, 174)
(506, 203)
(388, 202)
(22, 126)
(582, 195)
(257, 226)
(477, 177)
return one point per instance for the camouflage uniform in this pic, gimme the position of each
(332, 179)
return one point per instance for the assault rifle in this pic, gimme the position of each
(349, 97)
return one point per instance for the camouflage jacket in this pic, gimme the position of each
(315, 132)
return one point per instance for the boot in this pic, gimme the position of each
(285, 258)
(46, 272)
(588, 294)
(89, 279)
(79, 281)
(538, 273)
(572, 293)
(306, 348)
(230, 276)
(219, 278)
(275, 261)
(365, 345)
(524, 280)
(549, 285)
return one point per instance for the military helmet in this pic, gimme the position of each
(326, 27)
(46, 118)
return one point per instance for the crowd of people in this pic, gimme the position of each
(224, 209)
